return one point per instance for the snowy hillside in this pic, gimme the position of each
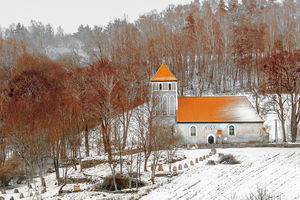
(275, 169)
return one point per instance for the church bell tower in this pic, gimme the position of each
(164, 89)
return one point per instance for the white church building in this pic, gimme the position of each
(209, 119)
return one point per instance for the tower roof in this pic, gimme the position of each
(163, 74)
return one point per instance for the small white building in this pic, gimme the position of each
(211, 119)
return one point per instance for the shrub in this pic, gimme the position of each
(228, 159)
(262, 194)
(122, 183)
(211, 162)
(213, 150)
(12, 170)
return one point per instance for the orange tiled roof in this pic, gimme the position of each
(163, 74)
(216, 109)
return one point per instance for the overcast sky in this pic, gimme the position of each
(69, 14)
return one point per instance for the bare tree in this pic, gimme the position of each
(282, 79)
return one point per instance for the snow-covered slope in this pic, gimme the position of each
(275, 169)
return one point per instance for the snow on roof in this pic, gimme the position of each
(163, 74)
(216, 109)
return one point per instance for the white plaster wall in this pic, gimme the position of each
(244, 132)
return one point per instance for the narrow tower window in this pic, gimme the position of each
(165, 105)
(172, 105)
(170, 86)
(160, 86)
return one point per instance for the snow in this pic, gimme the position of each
(244, 111)
(276, 169)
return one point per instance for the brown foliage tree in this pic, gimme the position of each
(283, 77)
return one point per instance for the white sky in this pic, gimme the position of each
(69, 14)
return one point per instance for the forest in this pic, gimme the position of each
(55, 87)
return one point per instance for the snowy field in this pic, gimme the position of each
(275, 169)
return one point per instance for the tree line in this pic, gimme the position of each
(211, 45)
(56, 87)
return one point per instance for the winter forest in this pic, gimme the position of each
(56, 87)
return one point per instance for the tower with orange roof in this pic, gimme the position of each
(164, 89)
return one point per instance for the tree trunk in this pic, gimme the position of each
(56, 168)
(27, 176)
(99, 146)
(293, 124)
(114, 180)
(146, 162)
(86, 140)
(283, 129)
(281, 117)
(293, 118)
(121, 161)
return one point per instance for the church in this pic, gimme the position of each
(208, 119)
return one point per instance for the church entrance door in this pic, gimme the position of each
(211, 140)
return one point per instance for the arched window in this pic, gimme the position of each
(231, 130)
(157, 105)
(172, 105)
(160, 86)
(170, 86)
(165, 105)
(211, 139)
(193, 131)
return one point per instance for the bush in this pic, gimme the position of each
(211, 162)
(213, 150)
(122, 183)
(228, 159)
(262, 194)
(12, 170)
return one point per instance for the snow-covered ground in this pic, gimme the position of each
(276, 169)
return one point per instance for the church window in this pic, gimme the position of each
(170, 86)
(231, 130)
(193, 130)
(172, 105)
(165, 105)
(157, 105)
(160, 86)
